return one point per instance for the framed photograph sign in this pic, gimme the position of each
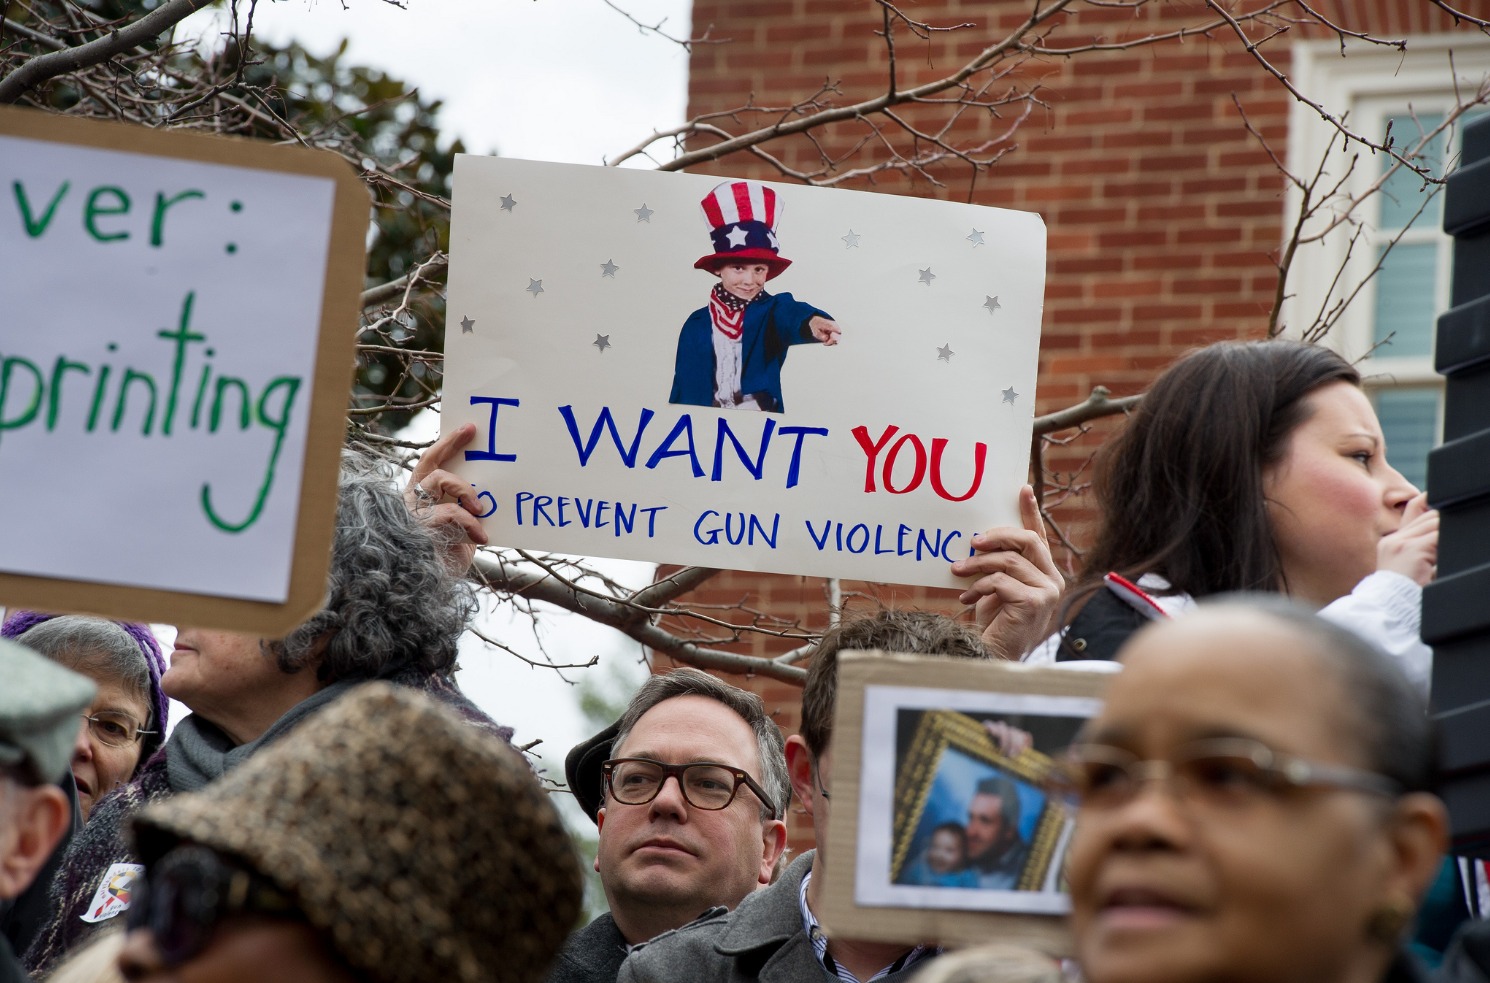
(944, 829)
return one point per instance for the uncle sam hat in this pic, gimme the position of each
(742, 217)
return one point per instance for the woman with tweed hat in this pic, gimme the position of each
(394, 610)
(350, 854)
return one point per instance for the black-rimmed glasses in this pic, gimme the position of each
(115, 729)
(705, 785)
(189, 891)
(1221, 772)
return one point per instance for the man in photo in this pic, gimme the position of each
(730, 352)
(996, 852)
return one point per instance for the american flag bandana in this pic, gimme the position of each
(728, 311)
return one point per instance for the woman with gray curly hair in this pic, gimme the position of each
(394, 610)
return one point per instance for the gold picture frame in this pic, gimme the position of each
(942, 730)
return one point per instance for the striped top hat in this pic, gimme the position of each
(742, 217)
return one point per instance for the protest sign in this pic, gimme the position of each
(174, 366)
(943, 829)
(864, 416)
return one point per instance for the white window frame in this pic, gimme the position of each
(1368, 82)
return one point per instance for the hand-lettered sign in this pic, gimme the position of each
(739, 374)
(174, 362)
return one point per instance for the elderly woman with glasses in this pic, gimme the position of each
(394, 610)
(128, 715)
(124, 725)
(1253, 806)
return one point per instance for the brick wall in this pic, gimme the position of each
(1161, 208)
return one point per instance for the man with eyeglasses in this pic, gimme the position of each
(40, 704)
(774, 936)
(689, 789)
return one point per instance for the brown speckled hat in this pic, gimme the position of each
(422, 847)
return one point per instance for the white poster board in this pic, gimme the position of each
(578, 324)
(174, 361)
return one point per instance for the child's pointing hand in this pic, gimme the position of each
(824, 330)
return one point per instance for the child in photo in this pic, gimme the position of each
(944, 863)
(730, 353)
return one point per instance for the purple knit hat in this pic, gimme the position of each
(20, 622)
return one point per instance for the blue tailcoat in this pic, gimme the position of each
(772, 325)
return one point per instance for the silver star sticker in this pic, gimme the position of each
(644, 214)
(466, 324)
(851, 241)
(602, 342)
(608, 268)
(927, 276)
(508, 203)
(975, 237)
(945, 353)
(992, 303)
(737, 237)
(534, 287)
(1010, 395)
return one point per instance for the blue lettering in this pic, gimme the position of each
(794, 472)
(628, 454)
(819, 541)
(758, 465)
(652, 518)
(682, 427)
(490, 454)
(540, 508)
(757, 527)
(713, 533)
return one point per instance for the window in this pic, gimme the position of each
(1389, 325)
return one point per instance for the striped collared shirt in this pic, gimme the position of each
(820, 946)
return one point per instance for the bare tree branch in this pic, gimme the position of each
(39, 69)
(1099, 404)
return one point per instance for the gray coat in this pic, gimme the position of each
(761, 940)
(591, 955)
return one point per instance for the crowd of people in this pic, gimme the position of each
(1254, 802)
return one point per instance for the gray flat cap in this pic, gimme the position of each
(40, 704)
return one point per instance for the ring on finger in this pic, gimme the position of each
(423, 495)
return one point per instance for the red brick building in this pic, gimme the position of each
(1165, 214)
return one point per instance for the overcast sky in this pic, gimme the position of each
(563, 80)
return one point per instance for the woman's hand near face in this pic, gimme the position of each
(1413, 549)
(428, 487)
(1018, 588)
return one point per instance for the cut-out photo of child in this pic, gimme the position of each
(730, 352)
(944, 863)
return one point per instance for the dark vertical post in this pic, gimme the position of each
(1456, 607)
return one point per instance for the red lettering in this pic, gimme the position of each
(920, 471)
(938, 446)
(872, 449)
